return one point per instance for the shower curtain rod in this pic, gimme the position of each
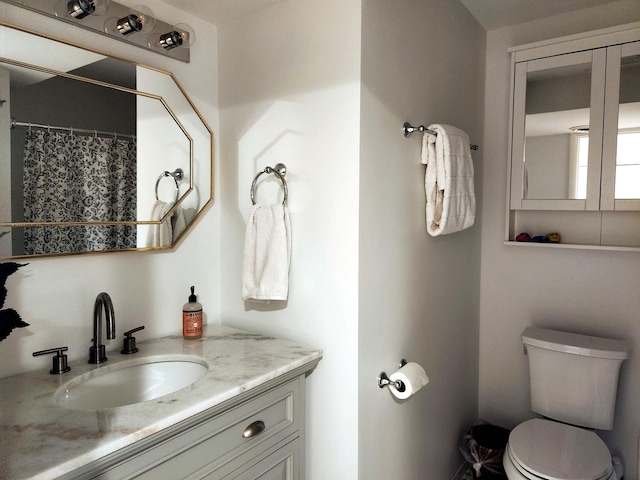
(15, 123)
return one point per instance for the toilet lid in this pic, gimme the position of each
(556, 451)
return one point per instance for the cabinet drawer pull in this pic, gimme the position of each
(256, 428)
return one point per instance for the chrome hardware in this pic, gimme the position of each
(115, 135)
(177, 175)
(408, 129)
(130, 341)
(59, 361)
(90, 15)
(385, 381)
(280, 170)
(97, 351)
(256, 428)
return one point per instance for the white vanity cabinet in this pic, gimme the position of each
(575, 139)
(262, 437)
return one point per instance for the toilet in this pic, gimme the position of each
(574, 380)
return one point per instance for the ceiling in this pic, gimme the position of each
(491, 14)
(220, 11)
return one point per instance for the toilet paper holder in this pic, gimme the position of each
(385, 381)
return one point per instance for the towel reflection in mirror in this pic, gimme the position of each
(165, 233)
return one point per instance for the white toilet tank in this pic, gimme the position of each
(574, 378)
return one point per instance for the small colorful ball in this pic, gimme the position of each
(553, 237)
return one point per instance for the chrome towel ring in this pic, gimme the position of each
(280, 170)
(177, 175)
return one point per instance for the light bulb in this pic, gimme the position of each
(140, 19)
(182, 35)
(80, 9)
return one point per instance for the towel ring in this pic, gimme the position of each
(280, 170)
(177, 175)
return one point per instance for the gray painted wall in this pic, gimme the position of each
(422, 62)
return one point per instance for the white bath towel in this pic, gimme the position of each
(267, 254)
(160, 234)
(451, 201)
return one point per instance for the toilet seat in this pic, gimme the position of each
(543, 449)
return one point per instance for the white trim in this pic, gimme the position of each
(572, 246)
(580, 41)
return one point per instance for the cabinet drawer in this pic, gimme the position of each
(283, 464)
(271, 417)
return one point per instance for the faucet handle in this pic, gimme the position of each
(130, 341)
(59, 361)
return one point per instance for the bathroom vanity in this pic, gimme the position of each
(243, 419)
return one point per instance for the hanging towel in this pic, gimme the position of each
(267, 254)
(178, 223)
(451, 201)
(160, 234)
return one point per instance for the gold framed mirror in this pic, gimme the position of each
(98, 153)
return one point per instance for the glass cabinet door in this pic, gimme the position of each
(621, 148)
(558, 109)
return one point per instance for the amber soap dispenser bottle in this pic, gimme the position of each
(192, 318)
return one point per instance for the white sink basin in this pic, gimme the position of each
(129, 382)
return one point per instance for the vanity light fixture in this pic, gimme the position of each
(140, 19)
(182, 35)
(136, 25)
(80, 9)
(580, 129)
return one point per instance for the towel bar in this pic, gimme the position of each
(177, 175)
(408, 129)
(280, 170)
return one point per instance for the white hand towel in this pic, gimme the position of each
(267, 254)
(160, 234)
(178, 223)
(451, 201)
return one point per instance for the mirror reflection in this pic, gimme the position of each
(627, 184)
(557, 128)
(557, 132)
(94, 146)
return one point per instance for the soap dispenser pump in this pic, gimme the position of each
(192, 318)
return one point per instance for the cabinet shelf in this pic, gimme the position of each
(603, 230)
(574, 246)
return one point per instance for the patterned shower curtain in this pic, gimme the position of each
(77, 178)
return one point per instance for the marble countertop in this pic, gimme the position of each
(41, 440)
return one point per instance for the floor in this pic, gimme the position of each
(463, 473)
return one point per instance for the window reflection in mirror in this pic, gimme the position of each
(557, 101)
(627, 184)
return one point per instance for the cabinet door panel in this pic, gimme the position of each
(557, 113)
(212, 444)
(621, 149)
(280, 465)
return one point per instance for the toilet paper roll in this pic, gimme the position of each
(413, 376)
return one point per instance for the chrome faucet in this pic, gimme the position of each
(97, 351)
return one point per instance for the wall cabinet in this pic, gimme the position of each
(575, 139)
(262, 438)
